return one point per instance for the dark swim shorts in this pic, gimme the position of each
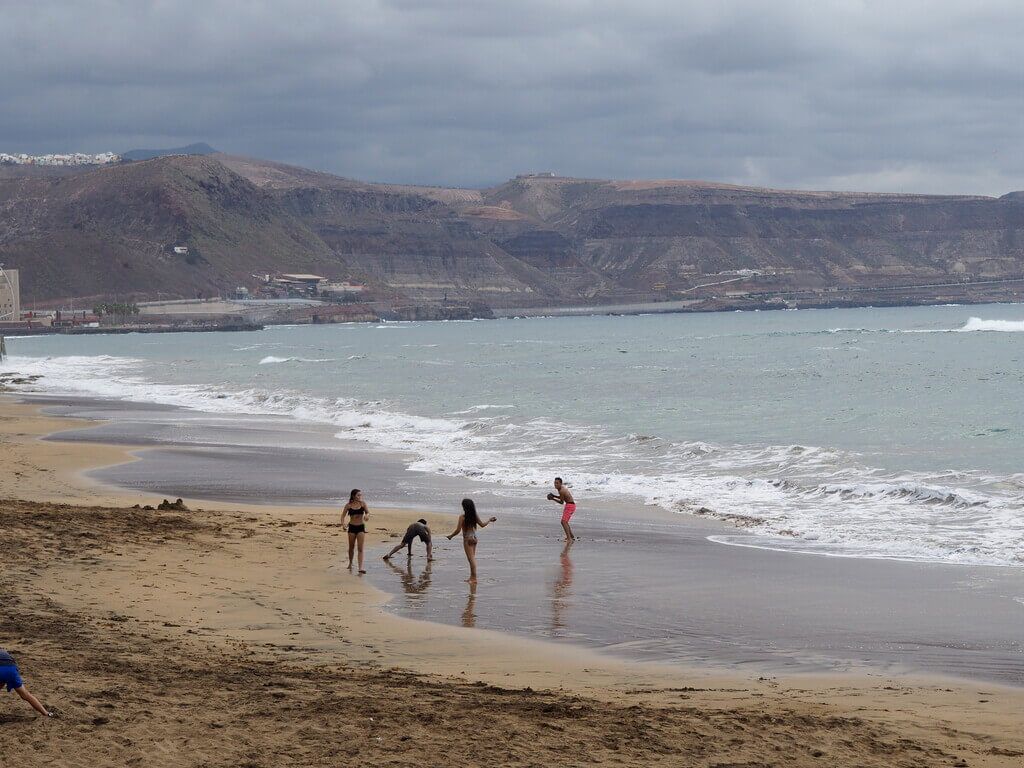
(9, 676)
(416, 532)
(361, 528)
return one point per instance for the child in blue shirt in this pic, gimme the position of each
(9, 676)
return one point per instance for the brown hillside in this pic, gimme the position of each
(531, 241)
(111, 230)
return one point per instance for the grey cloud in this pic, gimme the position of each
(791, 94)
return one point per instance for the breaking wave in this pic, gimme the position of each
(1005, 326)
(271, 360)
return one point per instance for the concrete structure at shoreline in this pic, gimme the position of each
(10, 296)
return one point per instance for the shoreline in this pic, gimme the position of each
(67, 463)
(718, 608)
(249, 586)
(695, 602)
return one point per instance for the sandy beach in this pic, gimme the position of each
(233, 635)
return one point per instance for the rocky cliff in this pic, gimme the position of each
(533, 241)
(674, 238)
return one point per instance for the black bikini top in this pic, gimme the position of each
(360, 511)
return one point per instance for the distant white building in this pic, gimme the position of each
(181, 249)
(73, 158)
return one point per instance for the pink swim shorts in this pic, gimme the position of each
(567, 512)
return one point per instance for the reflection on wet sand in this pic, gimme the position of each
(469, 615)
(412, 585)
(561, 592)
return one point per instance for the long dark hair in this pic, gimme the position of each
(352, 495)
(469, 510)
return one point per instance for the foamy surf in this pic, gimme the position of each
(1003, 326)
(271, 360)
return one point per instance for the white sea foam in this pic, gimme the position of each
(271, 360)
(792, 496)
(807, 545)
(484, 407)
(972, 325)
(1005, 326)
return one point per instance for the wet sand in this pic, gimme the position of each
(236, 637)
(673, 596)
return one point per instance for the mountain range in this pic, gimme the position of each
(537, 240)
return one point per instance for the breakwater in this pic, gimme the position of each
(119, 329)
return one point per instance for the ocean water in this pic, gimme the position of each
(892, 433)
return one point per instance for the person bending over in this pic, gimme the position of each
(10, 677)
(419, 530)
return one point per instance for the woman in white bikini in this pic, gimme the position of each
(357, 513)
(469, 521)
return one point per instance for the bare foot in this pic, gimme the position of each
(386, 557)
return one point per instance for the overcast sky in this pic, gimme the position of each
(889, 95)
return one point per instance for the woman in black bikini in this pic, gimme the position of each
(357, 513)
(468, 522)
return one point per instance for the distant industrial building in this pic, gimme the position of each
(340, 289)
(295, 284)
(308, 280)
(10, 296)
(305, 285)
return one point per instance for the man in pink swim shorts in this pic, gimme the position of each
(564, 497)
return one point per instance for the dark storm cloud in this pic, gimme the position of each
(888, 96)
